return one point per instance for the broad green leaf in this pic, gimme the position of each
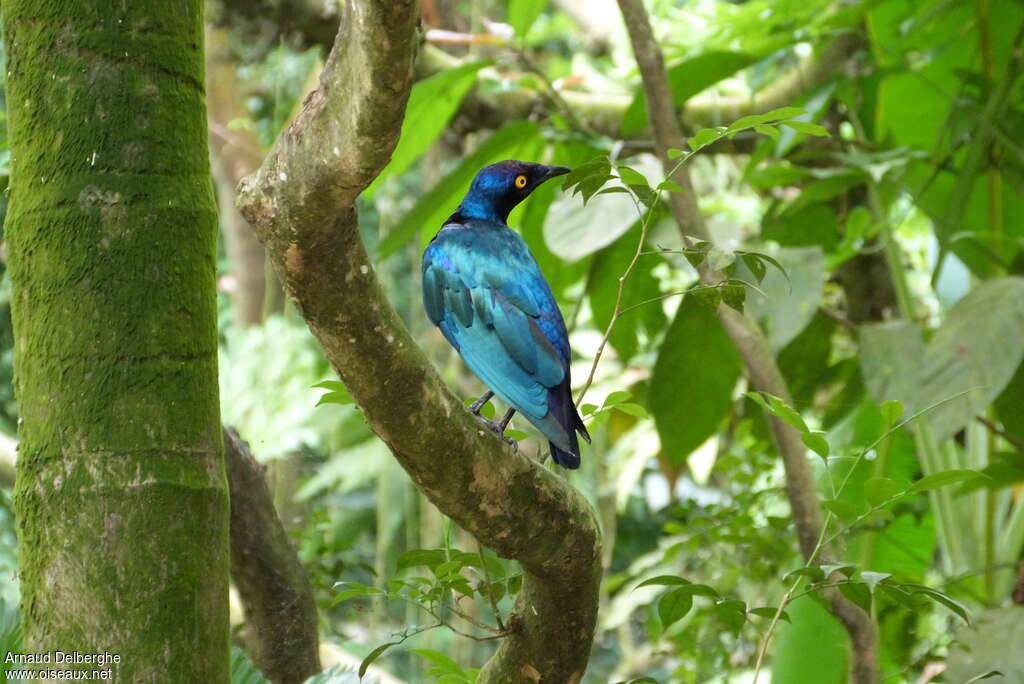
(991, 642)
(647, 320)
(692, 381)
(788, 305)
(673, 606)
(814, 225)
(522, 14)
(978, 348)
(890, 361)
(1008, 405)
(844, 510)
(944, 479)
(879, 489)
(513, 140)
(816, 442)
(432, 103)
(686, 79)
(811, 647)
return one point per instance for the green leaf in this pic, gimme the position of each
(709, 297)
(733, 294)
(756, 266)
(944, 479)
(872, 579)
(673, 153)
(589, 177)
(978, 348)
(844, 510)
(778, 408)
(662, 581)
(673, 606)
(879, 489)
(843, 568)
(892, 411)
(769, 613)
(789, 303)
(432, 103)
(814, 574)
(429, 558)
(442, 663)
(704, 137)
(373, 655)
(522, 14)
(631, 176)
(696, 349)
(771, 131)
(511, 141)
(632, 409)
(811, 647)
(337, 394)
(816, 442)
(647, 320)
(807, 127)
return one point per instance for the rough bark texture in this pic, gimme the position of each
(301, 203)
(121, 496)
(271, 582)
(762, 368)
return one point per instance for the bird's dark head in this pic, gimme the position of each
(498, 188)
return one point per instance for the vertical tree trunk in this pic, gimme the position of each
(121, 495)
(236, 154)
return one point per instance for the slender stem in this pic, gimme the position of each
(617, 311)
(490, 587)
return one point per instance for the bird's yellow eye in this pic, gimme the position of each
(520, 181)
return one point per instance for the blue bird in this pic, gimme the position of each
(483, 289)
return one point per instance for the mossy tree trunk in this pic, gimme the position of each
(121, 495)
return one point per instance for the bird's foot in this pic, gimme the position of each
(499, 430)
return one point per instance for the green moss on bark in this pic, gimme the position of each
(111, 237)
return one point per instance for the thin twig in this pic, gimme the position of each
(995, 429)
(490, 587)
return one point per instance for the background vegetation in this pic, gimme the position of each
(875, 234)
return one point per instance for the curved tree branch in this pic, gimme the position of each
(762, 368)
(603, 113)
(302, 205)
(273, 585)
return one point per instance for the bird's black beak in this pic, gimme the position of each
(552, 171)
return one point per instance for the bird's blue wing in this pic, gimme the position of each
(491, 303)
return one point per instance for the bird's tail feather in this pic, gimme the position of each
(566, 459)
(563, 410)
